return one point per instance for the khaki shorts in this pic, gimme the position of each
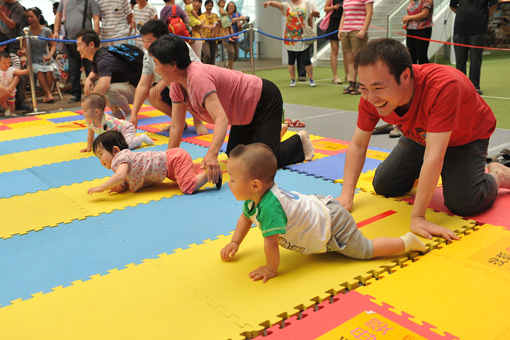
(351, 42)
(119, 94)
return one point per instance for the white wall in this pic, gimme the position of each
(269, 20)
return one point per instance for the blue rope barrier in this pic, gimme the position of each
(307, 39)
(187, 38)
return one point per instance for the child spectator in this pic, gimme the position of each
(194, 19)
(99, 122)
(142, 12)
(305, 224)
(138, 170)
(8, 83)
(226, 22)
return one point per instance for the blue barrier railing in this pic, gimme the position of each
(187, 38)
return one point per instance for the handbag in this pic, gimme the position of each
(308, 33)
(324, 25)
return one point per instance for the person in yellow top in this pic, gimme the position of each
(210, 23)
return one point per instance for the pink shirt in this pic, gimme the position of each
(238, 92)
(355, 13)
(144, 168)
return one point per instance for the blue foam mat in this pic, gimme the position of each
(332, 167)
(41, 142)
(57, 256)
(66, 119)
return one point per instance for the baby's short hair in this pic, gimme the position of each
(109, 139)
(258, 159)
(95, 100)
(5, 54)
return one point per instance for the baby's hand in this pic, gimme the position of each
(118, 189)
(228, 252)
(87, 149)
(93, 190)
(263, 273)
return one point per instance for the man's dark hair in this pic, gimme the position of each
(156, 27)
(171, 50)
(108, 140)
(389, 51)
(89, 35)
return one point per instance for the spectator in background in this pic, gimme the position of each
(142, 12)
(42, 52)
(471, 24)
(11, 17)
(15, 63)
(116, 17)
(55, 6)
(418, 23)
(232, 47)
(70, 14)
(196, 31)
(301, 66)
(335, 8)
(353, 33)
(210, 21)
(298, 16)
(166, 12)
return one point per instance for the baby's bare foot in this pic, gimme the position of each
(501, 173)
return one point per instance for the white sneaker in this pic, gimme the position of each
(312, 83)
(8, 113)
(293, 83)
(308, 148)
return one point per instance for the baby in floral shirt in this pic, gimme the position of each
(137, 170)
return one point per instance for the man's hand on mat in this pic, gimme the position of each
(212, 166)
(262, 273)
(420, 226)
(228, 252)
(346, 202)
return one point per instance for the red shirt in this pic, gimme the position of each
(444, 100)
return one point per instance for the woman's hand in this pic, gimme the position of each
(212, 166)
(48, 57)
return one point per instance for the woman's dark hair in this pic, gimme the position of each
(235, 7)
(209, 2)
(199, 12)
(109, 139)
(172, 50)
(36, 11)
(156, 27)
(391, 52)
(89, 35)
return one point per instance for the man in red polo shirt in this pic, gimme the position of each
(446, 127)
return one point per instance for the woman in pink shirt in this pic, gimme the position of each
(251, 105)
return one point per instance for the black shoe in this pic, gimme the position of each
(479, 91)
(24, 108)
(383, 129)
(301, 78)
(74, 99)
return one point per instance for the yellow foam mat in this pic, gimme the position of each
(55, 154)
(191, 288)
(462, 288)
(35, 131)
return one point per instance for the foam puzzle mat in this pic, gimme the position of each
(147, 264)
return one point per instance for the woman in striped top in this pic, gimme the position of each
(353, 35)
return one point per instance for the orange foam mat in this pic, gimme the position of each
(462, 288)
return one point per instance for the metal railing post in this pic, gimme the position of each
(31, 73)
(250, 38)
